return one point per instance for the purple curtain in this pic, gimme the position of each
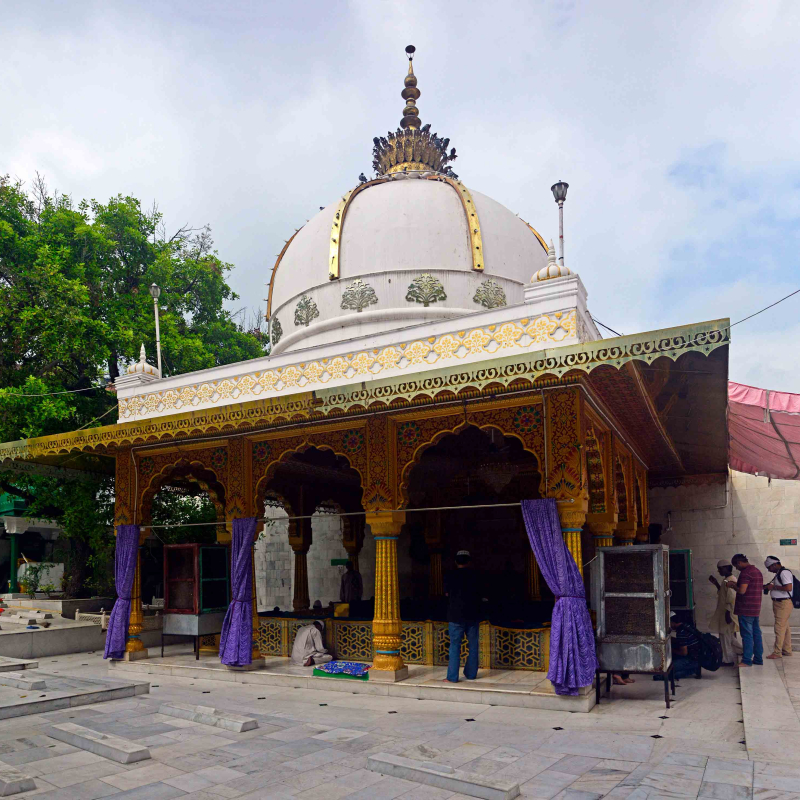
(573, 658)
(125, 555)
(236, 640)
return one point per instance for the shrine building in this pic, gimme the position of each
(433, 363)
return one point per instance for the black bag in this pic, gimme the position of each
(795, 598)
(710, 653)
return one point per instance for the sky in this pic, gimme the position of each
(675, 124)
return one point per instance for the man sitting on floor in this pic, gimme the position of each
(308, 648)
(685, 649)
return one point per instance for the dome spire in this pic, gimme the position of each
(410, 94)
(412, 148)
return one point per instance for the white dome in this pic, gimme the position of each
(408, 229)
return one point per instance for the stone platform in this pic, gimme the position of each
(518, 688)
(64, 691)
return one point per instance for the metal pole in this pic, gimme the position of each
(12, 573)
(158, 337)
(561, 232)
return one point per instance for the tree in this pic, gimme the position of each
(74, 308)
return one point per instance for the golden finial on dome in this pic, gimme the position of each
(412, 148)
(553, 268)
(410, 94)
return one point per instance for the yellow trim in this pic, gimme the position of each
(537, 235)
(473, 222)
(337, 226)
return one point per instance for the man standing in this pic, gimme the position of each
(308, 648)
(722, 620)
(463, 591)
(352, 585)
(748, 588)
(781, 588)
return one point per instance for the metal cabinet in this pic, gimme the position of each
(632, 599)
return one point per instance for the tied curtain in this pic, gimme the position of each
(236, 640)
(573, 658)
(125, 557)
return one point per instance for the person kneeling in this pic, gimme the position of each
(308, 648)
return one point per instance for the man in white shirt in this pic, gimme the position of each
(780, 590)
(722, 620)
(308, 648)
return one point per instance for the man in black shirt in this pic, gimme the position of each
(463, 591)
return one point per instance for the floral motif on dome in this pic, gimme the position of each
(362, 363)
(267, 380)
(291, 375)
(151, 403)
(313, 371)
(169, 399)
(276, 331)
(187, 395)
(490, 294)
(417, 352)
(389, 357)
(305, 311)
(541, 329)
(246, 384)
(205, 393)
(358, 296)
(225, 389)
(338, 367)
(508, 334)
(425, 289)
(446, 346)
(476, 340)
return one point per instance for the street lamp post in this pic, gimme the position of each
(155, 293)
(559, 191)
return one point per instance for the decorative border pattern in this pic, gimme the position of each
(302, 406)
(366, 364)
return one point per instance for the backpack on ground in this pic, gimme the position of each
(710, 654)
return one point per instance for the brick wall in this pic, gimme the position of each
(751, 518)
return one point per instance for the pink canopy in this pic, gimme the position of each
(764, 430)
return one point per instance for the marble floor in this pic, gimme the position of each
(315, 744)
(518, 688)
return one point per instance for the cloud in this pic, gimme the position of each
(673, 123)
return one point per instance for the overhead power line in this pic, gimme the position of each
(792, 294)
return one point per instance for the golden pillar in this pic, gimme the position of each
(134, 647)
(300, 542)
(625, 533)
(387, 627)
(533, 578)
(435, 579)
(602, 527)
(572, 520)
(434, 541)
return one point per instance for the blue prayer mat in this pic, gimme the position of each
(343, 669)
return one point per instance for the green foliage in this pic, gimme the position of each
(182, 509)
(74, 309)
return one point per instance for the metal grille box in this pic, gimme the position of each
(631, 595)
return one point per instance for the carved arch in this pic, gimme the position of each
(183, 468)
(405, 471)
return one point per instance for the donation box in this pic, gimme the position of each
(631, 595)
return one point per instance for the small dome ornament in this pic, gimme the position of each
(141, 366)
(553, 268)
